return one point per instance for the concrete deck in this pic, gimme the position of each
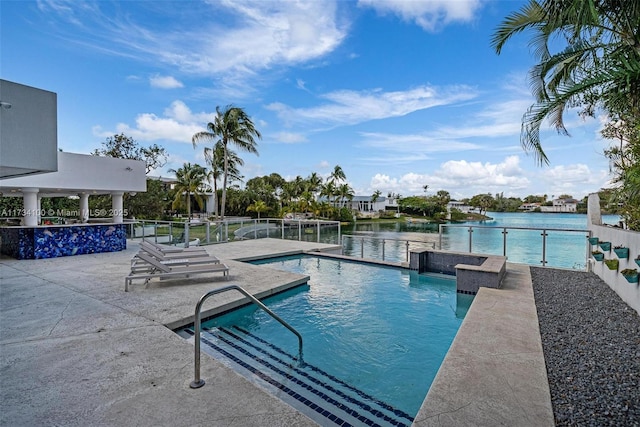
(77, 350)
(494, 373)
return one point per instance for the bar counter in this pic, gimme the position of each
(51, 241)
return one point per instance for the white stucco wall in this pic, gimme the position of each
(628, 292)
(84, 172)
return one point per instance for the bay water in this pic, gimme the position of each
(564, 243)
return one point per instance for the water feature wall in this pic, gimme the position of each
(616, 244)
(472, 271)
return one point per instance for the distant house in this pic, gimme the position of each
(562, 205)
(461, 206)
(363, 204)
(529, 207)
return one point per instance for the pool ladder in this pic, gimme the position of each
(199, 382)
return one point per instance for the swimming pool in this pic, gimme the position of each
(382, 332)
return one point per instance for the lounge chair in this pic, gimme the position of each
(165, 256)
(138, 264)
(156, 268)
(172, 249)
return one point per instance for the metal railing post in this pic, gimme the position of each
(318, 222)
(504, 241)
(588, 254)
(299, 230)
(544, 248)
(362, 247)
(470, 239)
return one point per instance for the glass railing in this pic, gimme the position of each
(547, 247)
(202, 232)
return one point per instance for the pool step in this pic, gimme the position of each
(324, 398)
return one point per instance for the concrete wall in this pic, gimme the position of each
(442, 261)
(628, 292)
(82, 171)
(28, 130)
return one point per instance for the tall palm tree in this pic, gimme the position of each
(328, 190)
(233, 126)
(338, 174)
(345, 192)
(598, 67)
(190, 182)
(314, 183)
(215, 159)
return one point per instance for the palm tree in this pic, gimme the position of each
(338, 175)
(230, 126)
(314, 183)
(258, 206)
(328, 190)
(598, 67)
(345, 192)
(190, 182)
(375, 196)
(215, 159)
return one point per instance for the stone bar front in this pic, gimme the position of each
(51, 241)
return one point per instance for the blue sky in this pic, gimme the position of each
(399, 94)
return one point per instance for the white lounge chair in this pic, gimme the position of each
(166, 256)
(172, 249)
(140, 265)
(156, 268)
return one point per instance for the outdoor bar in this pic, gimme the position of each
(33, 235)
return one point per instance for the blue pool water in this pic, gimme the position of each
(383, 330)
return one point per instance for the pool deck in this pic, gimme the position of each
(77, 350)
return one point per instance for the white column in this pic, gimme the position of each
(84, 207)
(30, 198)
(39, 211)
(116, 207)
(211, 204)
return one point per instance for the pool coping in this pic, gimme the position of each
(494, 372)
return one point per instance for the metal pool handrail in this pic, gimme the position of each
(199, 382)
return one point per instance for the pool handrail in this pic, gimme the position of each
(199, 382)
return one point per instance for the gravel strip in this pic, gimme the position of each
(591, 343)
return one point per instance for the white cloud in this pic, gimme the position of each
(165, 82)
(244, 40)
(289, 137)
(459, 177)
(414, 146)
(431, 15)
(178, 123)
(350, 107)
